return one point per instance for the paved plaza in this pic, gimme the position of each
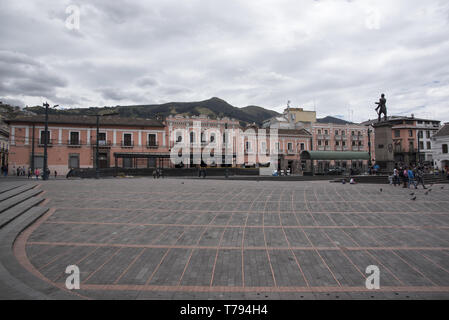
(209, 239)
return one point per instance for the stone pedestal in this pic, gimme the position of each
(384, 146)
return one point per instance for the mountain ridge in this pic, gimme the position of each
(214, 108)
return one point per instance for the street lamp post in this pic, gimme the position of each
(369, 147)
(97, 153)
(45, 176)
(46, 135)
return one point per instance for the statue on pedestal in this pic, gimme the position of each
(382, 107)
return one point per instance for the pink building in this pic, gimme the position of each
(330, 136)
(72, 142)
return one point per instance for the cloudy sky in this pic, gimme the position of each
(333, 55)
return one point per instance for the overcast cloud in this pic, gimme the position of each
(334, 55)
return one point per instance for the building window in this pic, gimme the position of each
(421, 135)
(397, 133)
(43, 135)
(319, 131)
(445, 148)
(152, 140)
(319, 142)
(102, 136)
(192, 137)
(337, 143)
(429, 145)
(290, 146)
(212, 138)
(326, 132)
(74, 138)
(428, 134)
(302, 146)
(353, 133)
(127, 139)
(248, 146)
(421, 145)
(410, 133)
(326, 143)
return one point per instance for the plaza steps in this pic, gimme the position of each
(17, 200)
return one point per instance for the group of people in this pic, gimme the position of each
(22, 172)
(408, 176)
(157, 173)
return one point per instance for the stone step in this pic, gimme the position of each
(9, 186)
(11, 202)
(16, 191)
(14, 212)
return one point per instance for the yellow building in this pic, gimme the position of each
(300, 115)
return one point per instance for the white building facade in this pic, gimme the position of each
(426, 130)
(440, 144)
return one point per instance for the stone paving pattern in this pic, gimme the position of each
(207, 239)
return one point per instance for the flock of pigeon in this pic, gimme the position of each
(413, 194)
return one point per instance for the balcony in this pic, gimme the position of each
(320, 148)
(345, 148)
(327, 148)
(127, 144)
(152, 146)
(290, 152)
(101, 143)
(338, 137)
(320, 136)
(338, 148)
(74, 143)
(49, 143)
(327, 137)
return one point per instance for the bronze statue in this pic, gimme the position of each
(382, 107)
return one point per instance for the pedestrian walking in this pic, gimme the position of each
(36, 173)
(56, 174)
(411, 178)
(30, 173)
(395, 177)
(404, 176)
(420, 177)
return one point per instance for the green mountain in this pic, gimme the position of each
(213, 107)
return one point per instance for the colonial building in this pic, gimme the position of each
(412, 138)
(426, 130)
(202, 132)
(333, 134)
(4, 143)
(440, 143)
(326, 134)
(72, 142)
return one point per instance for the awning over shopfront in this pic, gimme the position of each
(141, 155)
(334, 155)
